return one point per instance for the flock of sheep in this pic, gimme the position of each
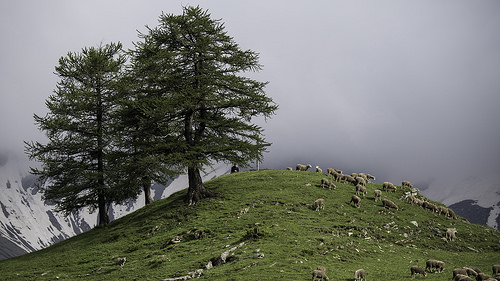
(459, 274)
(359, 180)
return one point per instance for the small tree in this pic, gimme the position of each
(190, 71)
(75, 161)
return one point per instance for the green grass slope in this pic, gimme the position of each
(264, 223)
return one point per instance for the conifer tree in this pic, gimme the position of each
(75, 161)
(191, 81)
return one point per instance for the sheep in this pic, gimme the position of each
(356, 200)
(347, 178)
(464, 271)
(496, 269)
(289, 169)
(318, 204)
(461, 277)
(370, 177)
(417, 270)
(320, 273)
(388, 185)
(377, 194)
(120, 261)
(389, 204)
(360, 181)
(450, 234)
(360, 274)
(451, 214)
(407, 184)
(482, 277)
(328, 183)
(301, 167)
(319, 170)
(335, 174)
(431, 264)
(361, 190)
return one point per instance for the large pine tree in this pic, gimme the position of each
(75, 161)
(191, 81)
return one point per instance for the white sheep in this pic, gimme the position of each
(319, 204)
(496, 269)
(388, 185)
(417, 270)
(319, 273)
(434, 264)
(289, 169)
(389, 204)
(407, 184)
(319, 170)
(120, 261)
(360, 180)
(451, 234)
(377, 194)
(356, 200)
(327, 183)
(360, 189)
(359, 275)
(301, 167)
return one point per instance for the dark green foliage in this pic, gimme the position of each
(291, 239)
(188, 78)
(75, 161)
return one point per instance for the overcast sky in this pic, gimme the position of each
(399, 89)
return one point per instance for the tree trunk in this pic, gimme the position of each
(103, 213)
(196, 190)
(147, 194)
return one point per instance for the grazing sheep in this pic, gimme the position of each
(335, 174)
(467, 271)
(319, 170)
(370, 177)
(451, 214)
(320, 273)
(289, 169)
(417, 270)
(359, 275)
(407, 184)
(301, 167)
(120, 261)
(461, 277)
(430, 206)
(356, 200)
(496, 269)
(319, 204)
(386, 186)
(360, 181)
(482, 277)
(450, 234)
(361, 190)
(349, 179)
(377, 194)
(434, 264)
(389, 204)
(327, 183)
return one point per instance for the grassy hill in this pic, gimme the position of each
(264, 222)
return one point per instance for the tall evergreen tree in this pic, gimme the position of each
(191, 76)
(75, 160)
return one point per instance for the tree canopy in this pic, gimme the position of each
(181, 105)
(75, 159)
(191, 73)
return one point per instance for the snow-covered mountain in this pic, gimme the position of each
(475, 197)
(28, 223)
